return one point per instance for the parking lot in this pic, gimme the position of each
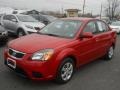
(98, 75)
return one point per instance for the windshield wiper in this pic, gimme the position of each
(49, 34)
(53, 35)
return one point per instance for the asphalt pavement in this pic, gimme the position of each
(98, 75)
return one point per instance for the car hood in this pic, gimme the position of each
(34, 24)
(36, 42)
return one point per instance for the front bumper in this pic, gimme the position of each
(30, 31)
(33, 70)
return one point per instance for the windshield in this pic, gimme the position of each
(116, 23)
(62, 28)
(25, 18)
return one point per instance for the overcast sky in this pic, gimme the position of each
(91, 5)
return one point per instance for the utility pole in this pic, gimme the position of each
(84, 3)
(101, 11)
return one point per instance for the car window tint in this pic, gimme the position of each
(12, 17)
(6, 17)
(102, 27)
(91, 27)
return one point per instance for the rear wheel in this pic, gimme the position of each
(110, 53)
(65, 71)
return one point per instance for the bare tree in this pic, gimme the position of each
(112, 8)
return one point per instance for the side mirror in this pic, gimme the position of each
(86, 35)
(14, 20)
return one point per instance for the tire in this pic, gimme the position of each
(65, 71)
(20, 33)
(109, 55)
(119, 33)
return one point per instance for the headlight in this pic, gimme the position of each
(28, 26)
(43, 55)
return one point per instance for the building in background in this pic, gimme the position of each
(72, 12)
(6, 10)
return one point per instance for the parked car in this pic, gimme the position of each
(46, 19)
(115, 26)
(60, 48)
(21, 24)
(3, 36)
(0, 18)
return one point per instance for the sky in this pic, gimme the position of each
(54, 5)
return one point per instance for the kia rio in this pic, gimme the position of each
(60, 48)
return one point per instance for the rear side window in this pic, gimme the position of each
(102, 27)
(91, 27)
(6, 17)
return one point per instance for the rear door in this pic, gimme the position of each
(103, 37)
(13, 24)
(5, 22)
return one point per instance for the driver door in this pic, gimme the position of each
(87, 49)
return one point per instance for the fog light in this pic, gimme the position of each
(36, 75)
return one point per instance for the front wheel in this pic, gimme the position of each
(110, 53)
(65, 71)
(20, 33)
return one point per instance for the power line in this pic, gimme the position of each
(84, 3)
(101, 10)
(64, 2)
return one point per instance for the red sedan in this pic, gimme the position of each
(59, 48)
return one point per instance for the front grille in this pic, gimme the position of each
(37, 28)
(15, 54)
(36, 75)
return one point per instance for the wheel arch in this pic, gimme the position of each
(19, 29)
(67, 53)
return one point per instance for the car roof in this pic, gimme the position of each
(80, 18)
(17, 14)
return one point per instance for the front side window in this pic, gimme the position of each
(62, 28)
(25, 18)
(12, 17)
(102, 27)
(91, 27)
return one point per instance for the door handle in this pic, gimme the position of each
(97, 40)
